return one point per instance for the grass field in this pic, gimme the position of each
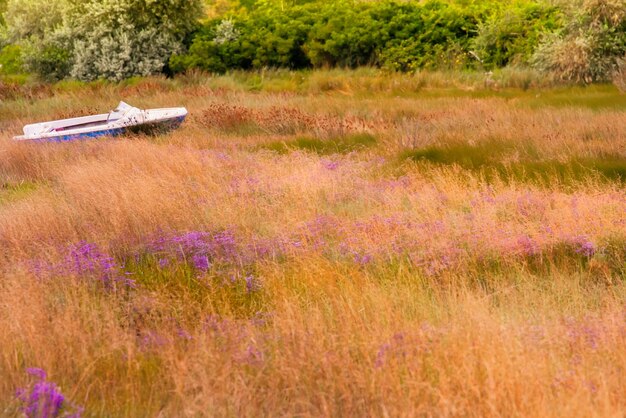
(318, 244)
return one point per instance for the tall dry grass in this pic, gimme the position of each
(468, 259)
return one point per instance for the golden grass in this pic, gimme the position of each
(356, 283)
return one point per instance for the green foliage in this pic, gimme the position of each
(399, 36)
(33, 19)
(434, 36)
(590, 46)
(122, 39)
(36, 29)
(49, 58)
(260, 39)
(619, 75)
(112, 39)
(10, 60)
(510, 35)
(118, 39)
(3, 8)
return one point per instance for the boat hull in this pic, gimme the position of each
(151, 128)
(122, 120)
(156, 128)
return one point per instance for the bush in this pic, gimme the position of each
(35, 28)
(511, 34)
(117, 39)
(121, 39)
(591, 44)
(123, 54)
(33, 19)
(435, 36)
(50, 58)
(112, 39)
(344, 36)
(398, 36)
(10, 60)
(619, 75)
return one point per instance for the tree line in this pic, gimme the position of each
(580, 40)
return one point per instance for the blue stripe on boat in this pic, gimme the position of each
(168, 124)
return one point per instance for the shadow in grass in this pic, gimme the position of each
(610, 168)
(466, 155)
(490, 160)
(595, 97)
(602, 264)
(245, 128)
(219, 286)
(337, 145)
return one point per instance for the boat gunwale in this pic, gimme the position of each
(90, 133)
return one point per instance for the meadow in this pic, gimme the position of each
(324, 243)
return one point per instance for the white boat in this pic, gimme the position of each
(123, 119)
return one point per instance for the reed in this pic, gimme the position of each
(303, 250)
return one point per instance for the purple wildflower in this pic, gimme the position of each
(152, 340)
(183, 334)
(262, 248)
(252, 356)
(585, 247)
(44, 399)
(394, 348)
(380, 355)
(260, 319)
(362, 259)
(188, 243)
(321, 225)
(194, 245)
(527, 245)
(37, 372)
(201, 262)
(583, 332)
(252, 284)
(330, 165)
(591, 386)
(85, 260)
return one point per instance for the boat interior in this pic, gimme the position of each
(69, 124)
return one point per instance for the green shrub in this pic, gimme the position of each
(590, 46)
(117, 39)
(399, 36)
(36, 28)
(619, 75)
(51, 59)
(345, 36)
(3, 8)
(434, 36)
(121, 39)
(33, 19)
(511, 34)
(112, 39)
(10, 60)
(394, 35)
